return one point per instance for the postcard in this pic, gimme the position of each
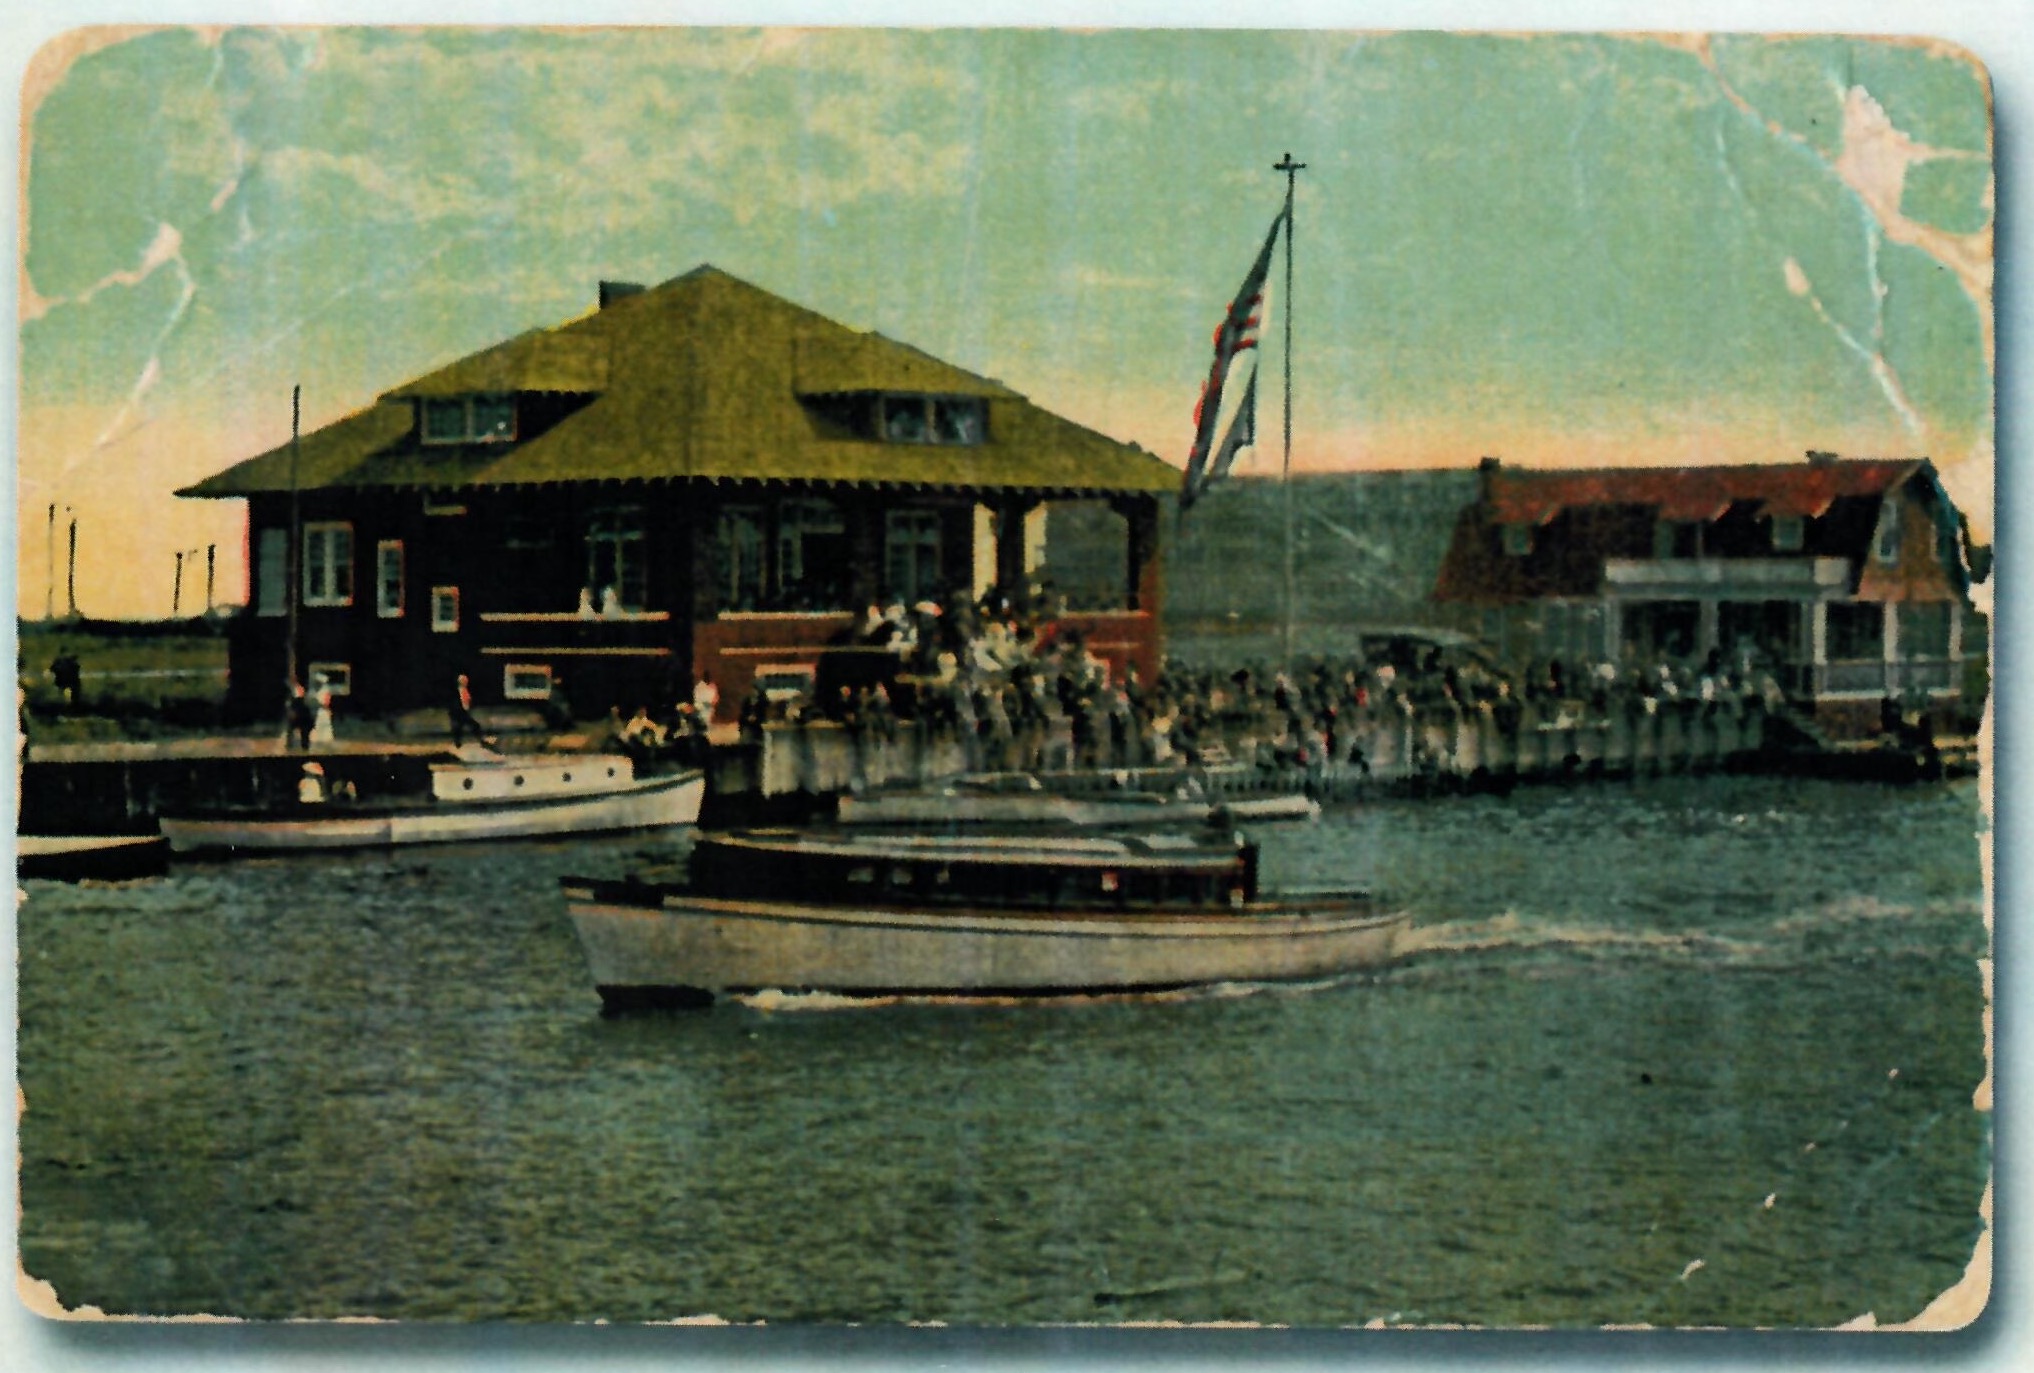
(993, 677)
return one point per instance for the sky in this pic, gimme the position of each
(1562, 250)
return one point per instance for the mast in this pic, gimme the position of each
(1292, 170)
(296, 538)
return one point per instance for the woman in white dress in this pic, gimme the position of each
(321, 723)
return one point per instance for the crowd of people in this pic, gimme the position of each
(1017, 686)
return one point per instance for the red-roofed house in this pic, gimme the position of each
(1850, 578)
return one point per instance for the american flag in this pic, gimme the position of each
(1236, 332)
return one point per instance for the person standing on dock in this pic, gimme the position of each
(321, 722)
(705, 700)
(67, 676)
(461, 711)
(297, 719)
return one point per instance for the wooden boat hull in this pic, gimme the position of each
(647, 945)
(99, 858)
(647, 804)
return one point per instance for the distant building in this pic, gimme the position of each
(1850, 579)
(1367, 547)
(698, 478)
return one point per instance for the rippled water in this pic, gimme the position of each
(1690, 1051)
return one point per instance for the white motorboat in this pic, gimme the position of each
(872, 914)
(471, 798)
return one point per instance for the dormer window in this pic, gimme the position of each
(1518, 539)
(903, 417)
(1789, 532)
(957, 421)
(469, 419)
(1677, 539)
(934, 419)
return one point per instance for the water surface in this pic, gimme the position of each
(1685, 1051)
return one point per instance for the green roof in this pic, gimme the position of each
(700, 378)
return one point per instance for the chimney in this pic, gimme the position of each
(1818, 458)
(1486, 478)
(612, 291)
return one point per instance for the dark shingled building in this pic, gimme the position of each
(698, 478)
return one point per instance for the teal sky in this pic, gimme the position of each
(1558, 249)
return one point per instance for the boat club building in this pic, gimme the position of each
(697, 478)
(1849, 579)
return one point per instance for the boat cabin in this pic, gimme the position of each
(1143, 871)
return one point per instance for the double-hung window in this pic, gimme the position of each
(388, 579)
(614, 559)
(911, 554)
(328, 563)
(469, 419)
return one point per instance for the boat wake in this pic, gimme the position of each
(1510, 931)
(1837, 929)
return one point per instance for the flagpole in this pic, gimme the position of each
(291, 572)
(1292, 170)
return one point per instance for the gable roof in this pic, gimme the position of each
(1608, 513)
(1523, 496)
(700, 377)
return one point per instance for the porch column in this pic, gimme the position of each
(1955, 644)
(1613, 629)
(1708, 622)
(1143, 575)
(1142, 556)
(1891, 639)
(1008, 532)
(1818, 645)
(865, 543)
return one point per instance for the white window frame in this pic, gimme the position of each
(1790, 533)
(385, 552)
(331, 537)
(510, 691)
(930, 409)
(467, 432)
(338, 677)
(1886, 539)
(620, 531)
(441, 597)
(917, 529)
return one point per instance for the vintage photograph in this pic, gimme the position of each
(1005, 677)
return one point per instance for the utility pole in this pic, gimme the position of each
(177, 588)
(71, 572)
(211, 560)
(1292, 170)
(49, 569)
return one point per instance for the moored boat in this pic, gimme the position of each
(1018, 799)
(472, 798)
(90, 857)
(872, 914)
(1276, 805)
